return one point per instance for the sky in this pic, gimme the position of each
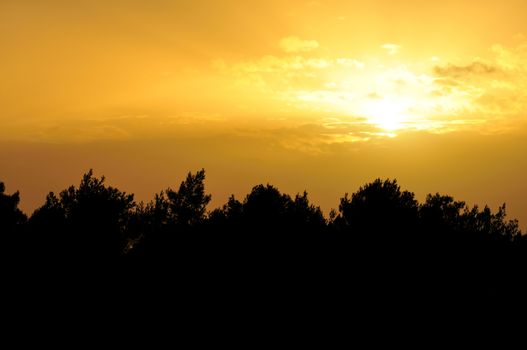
(322, 96)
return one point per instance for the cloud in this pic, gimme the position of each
(287, 74)
(293, 44)
(392, 49)
(320, 136)
(511, 59)
(486, 94)
(474, 68)
(114, 127)
(374, 95)
(493, 90)
(350, 62)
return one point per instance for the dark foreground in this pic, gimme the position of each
(270, 253)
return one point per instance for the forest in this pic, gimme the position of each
(380, 241)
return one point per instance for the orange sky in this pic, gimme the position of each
(315, 95)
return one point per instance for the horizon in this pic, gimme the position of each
(217, 204)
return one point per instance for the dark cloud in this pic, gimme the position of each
(475, 68)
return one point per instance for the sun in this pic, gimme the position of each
(389, 113)
(386, 99)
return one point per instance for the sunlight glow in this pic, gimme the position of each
(389, 113)
(391, 97)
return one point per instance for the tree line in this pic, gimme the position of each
(380, 233)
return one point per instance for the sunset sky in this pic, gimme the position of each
(322, 96)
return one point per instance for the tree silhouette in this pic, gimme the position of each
(265, 211)
(306, 216)
(10, 215)
(381, 239)
(169, 214)
(91, 219)
(265, 208)
(441, 213)
(49, 234)
(228, 218)
(12, 222)
(486, 223)
(188, 205)
(379, 207)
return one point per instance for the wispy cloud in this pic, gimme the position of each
(474, 68)
(293, 44)
(113, 127)
(391, 49)
(319, 136)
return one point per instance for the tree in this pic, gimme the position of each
(379, 207)
(89, 221)
(306, 216)
(11, 216)
(441, 213)
(227, 218)
(188, 205)
(48, 234)
(486, 223)
(266, 210)
(12, 223)
(155, 224)
(265, 207)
